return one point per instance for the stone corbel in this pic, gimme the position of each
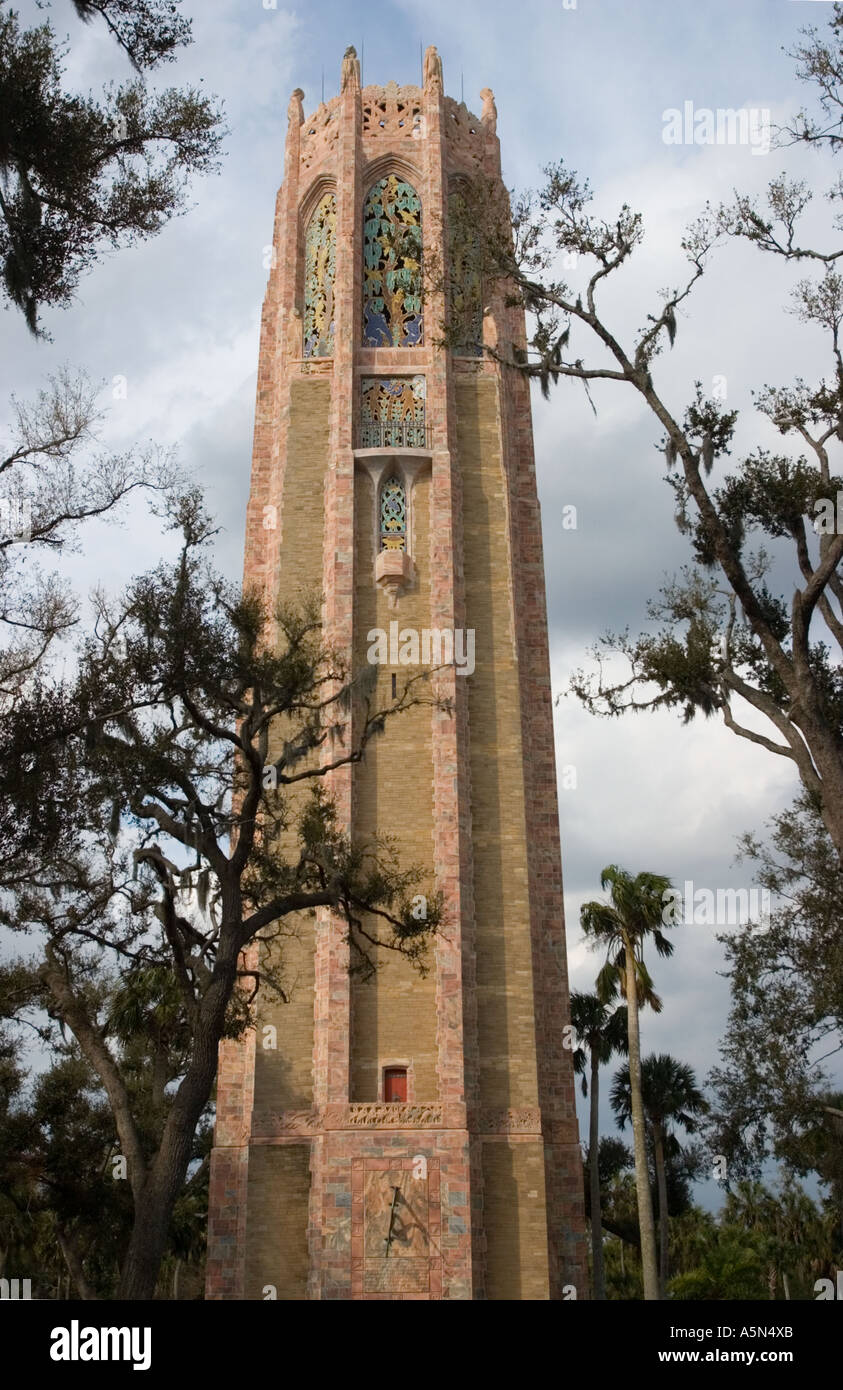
(393, 572)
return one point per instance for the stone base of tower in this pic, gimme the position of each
(394, 1202)
(427, 1252)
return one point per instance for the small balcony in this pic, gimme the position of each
(405, 434)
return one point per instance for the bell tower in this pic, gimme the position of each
(406, 1136)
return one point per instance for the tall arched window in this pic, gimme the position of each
(320, 253)
(393, 515)
(466, 291)
(392, 284)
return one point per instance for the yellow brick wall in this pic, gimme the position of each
(504, 963)
(514, 1219)
(283, 1077)
(276, 1227)
(394, 1014)
(514, 1214)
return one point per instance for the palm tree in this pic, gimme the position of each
(636, 910)
(751, 1207)
(730, 1269)
(600, 1033)
(670, 1096)
(692, 1234)
(792, 1231)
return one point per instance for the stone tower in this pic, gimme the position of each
(408, 1137)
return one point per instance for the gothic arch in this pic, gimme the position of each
(391, 163)
(322, 184)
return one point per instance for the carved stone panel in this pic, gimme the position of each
(395, 1227)
(392, 1115)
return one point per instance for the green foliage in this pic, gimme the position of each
(613, 1157)
(623, 1271)
(636, 912)
(669, 1091)
(81, 176)
(58, 1177)
(600, 1032)
(148, 30)
(786, 977)
(670, 1097)
(187, 757)
(765, 1244)
(730, 1269)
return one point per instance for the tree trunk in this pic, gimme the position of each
(824, 745)
(73, 1260)
(661, 1181)
(594, 1178)
(646, 1224)
(167, 1172)
(154, 1207)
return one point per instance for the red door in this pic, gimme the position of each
(395, 1083)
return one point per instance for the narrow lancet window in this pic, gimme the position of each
(320, 252)
(393, 515)
(392, 287)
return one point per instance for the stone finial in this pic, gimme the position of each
(432, 70)
(489, 114)
(350, 76)
(295, 110)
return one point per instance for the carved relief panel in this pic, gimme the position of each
(395, 1228)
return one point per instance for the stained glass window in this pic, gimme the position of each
(393, 515)
(392, 299)
(320, 252)
(466, 291)
(392, 412)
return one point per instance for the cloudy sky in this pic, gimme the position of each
(179, 319)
